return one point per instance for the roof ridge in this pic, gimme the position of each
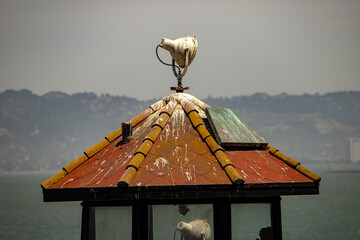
(292, 163)
(99, 146)
(215, 148)
(147, 144)
(181, 98)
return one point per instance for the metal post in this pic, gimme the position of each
(87, 222)
(276, 218)
(140, 221)
(222, 220)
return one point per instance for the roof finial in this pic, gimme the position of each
(183, 51)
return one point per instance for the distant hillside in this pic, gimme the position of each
(47, 132)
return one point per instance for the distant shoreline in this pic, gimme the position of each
(343, 171)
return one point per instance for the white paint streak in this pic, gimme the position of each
(170, 174)
(161, 161)
(260, 153)
(104, 153)
(214, 172)
(177, 153)
(123, 162)
(167, 132)
(70, 180)
(244, 174)
(256, 172)
(182, 98)
(138, 131)
(99, 171)
(108, 171)
(188, 175)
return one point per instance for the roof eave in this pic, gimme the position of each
(160, 193)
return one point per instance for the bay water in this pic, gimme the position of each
(333, 214)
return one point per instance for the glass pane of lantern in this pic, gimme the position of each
(249, 221)
(113, 222)
(166, 219)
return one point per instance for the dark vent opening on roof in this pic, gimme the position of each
(126, 133)
(230, 131)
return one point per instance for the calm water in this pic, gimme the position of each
(334, 214)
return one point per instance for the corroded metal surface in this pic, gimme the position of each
(172, 146)
(106, 167)
(179, 157)
(259, 166)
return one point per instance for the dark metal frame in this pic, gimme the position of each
(141, 197)
(179, 192)
(221, 210)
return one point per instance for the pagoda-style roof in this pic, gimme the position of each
(175, 151)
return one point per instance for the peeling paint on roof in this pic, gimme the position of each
(172, 146)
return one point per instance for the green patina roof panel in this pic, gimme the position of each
(230, 131)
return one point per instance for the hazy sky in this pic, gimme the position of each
(245, 46)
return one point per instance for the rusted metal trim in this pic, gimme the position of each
(139, 118)
(74, 164)
(212, 144)
(162, 120)
(271, 149)
(109, 138)
(167, 111)
(188, 107)
(195, 119)
(145, 147)
(53, 179)
(308, 173)
(114, 135)
(204, 133)
(93, 150)
(234, 175)
(127, 177)
(157, 125)
(156, 106)
(136, 161)
(152, 136)
(229, 168)
(288, 160)
(223, 160)
(293, 163)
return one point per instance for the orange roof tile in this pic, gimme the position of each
(171, 146)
